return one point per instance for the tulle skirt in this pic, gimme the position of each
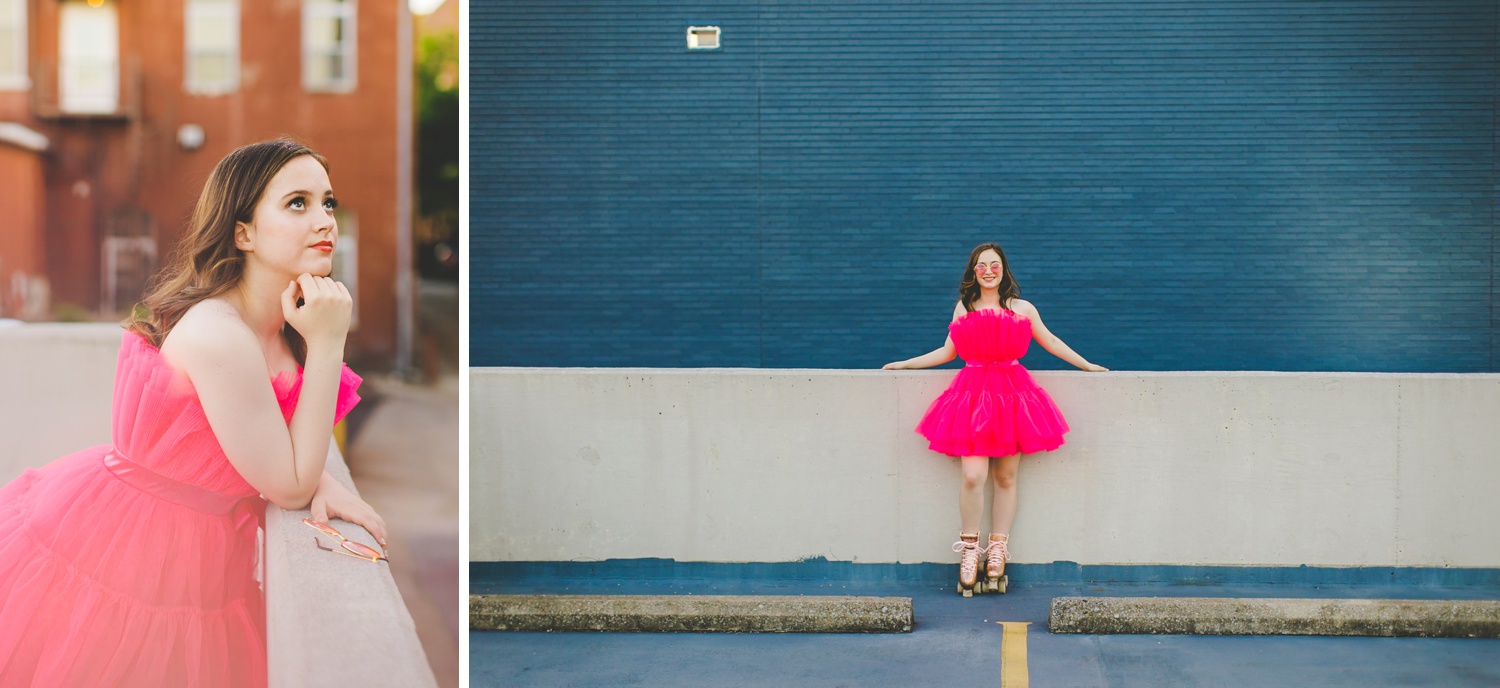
(102, 584)
(993, 409)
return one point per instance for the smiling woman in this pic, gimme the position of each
(993, 412)
(134, 563)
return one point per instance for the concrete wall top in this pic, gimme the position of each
(842, 373)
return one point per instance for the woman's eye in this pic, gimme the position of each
(331, 203)
(297, 203)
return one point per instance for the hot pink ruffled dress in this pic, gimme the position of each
(993, 407)
(135, 564)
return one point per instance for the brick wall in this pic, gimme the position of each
(1281, 185)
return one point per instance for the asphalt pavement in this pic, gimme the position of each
(958, 642)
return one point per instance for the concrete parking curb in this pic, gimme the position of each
(691, 613)
(1270, 616)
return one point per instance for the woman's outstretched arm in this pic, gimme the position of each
(936, 357)
(1051, 342)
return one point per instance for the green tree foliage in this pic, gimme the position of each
(437, 86)
(437, 125)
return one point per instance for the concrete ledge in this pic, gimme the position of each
(691, 613)
(1394, 471)
(319, 605)
(1246, 616)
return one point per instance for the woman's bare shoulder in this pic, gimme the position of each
(211, 332)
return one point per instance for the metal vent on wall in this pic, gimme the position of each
(703, 38)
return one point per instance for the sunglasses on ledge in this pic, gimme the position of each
(350, 548)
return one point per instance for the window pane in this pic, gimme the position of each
(327, 68)
(9, 53)
(210, 69)
(325, 33)
(210, 32)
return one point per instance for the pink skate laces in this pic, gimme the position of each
(996, 553)
(969, 564)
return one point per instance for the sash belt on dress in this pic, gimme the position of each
(989, 364)
(162, 487)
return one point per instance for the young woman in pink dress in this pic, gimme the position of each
(133, 564)
(993, 411)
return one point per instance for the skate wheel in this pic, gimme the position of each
(1004, 582)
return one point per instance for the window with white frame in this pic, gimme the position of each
(89, 59)
(13, 45)
(328, 47)
(212, 58)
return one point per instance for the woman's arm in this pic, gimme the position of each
(936, 357)
(1050, 341)
(227, 368)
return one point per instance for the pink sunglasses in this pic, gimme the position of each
(358, 550)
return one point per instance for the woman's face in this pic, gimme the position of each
(292, 230)
(988, 269)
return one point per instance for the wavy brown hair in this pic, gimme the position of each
(968, 287)
(206, 262)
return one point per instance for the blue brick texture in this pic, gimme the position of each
(1190, 185)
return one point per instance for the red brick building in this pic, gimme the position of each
(113, 112)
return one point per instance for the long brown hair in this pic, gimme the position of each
(968, 287)
(206, 262)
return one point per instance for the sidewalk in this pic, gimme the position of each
(403, 454)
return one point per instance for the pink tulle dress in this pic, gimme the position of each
(135, 564)
(993, 407)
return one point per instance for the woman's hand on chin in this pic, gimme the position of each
(323, 316)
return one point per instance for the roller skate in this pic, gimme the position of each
(994, 564)
(968, 565)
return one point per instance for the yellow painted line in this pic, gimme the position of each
(1013, 672)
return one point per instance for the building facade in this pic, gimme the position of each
(1182, 185)
(113, 112)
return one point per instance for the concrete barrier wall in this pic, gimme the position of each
(1201, 468)
(57, 384)
(331, 620)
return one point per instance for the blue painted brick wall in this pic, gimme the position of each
(1195, 185)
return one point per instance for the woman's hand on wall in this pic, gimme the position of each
(333, 500)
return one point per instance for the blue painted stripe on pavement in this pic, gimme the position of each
(820, 569)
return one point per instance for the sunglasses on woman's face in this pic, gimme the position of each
(358, 550)
(992, 267)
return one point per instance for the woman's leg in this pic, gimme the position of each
(1003, 511)
(971, 492)
(1002, 515)
(970, 508)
